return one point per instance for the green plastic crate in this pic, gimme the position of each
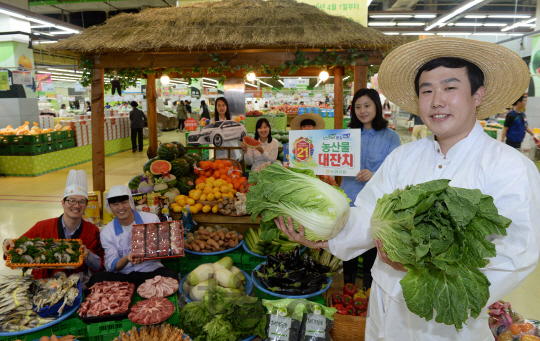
(69, 143)
(171, 263)
(71, 326)
(12, 139)
(59, 144)
(5, 150)
(68, 134)
(48, 137)
(3, 141)
(27, 149)
(105, 331)
(49, 147)
(264, 296)
(250, 262)
(59, 135)
(30, 139)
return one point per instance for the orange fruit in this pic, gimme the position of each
(209, 173)
(515, 329)
(199, 181)
(223, 177)
(215, 165)
(221, 165)
(228, 163)
(527, 326)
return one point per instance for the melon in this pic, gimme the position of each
(251, 143)
(161, 188)
(196, 156)
(191, 161)
(181, 150)
(185, 184)
(146, 167)
(170, 180)
(160, 166)
(180, 168)
(167, 151)
(134, 182)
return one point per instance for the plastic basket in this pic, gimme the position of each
(5, 150)
(171, 263)
(69, 143)
(60, 135)
(49, 147)
(52, 310)
(27, 149)
(3, 141)
(105, 331)
(68, 134)
(264, 296)
(30, 139)
(250, 262)
(12, 139)
(48, 137)
(59, 144)
(346, 327)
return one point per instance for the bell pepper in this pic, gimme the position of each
(337, 298)
(352, 310)
(341, 309)
(347, 300)
(349, 289)
(361, 304)
(360, 293)
(363, 314)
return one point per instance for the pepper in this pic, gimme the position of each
(341, 309)
(363, 313)
(361, 303)
(349, 289)
(336, 298)
(347, 300)
(360, 293)
(352, 310)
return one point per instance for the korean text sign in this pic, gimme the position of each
(326, 152)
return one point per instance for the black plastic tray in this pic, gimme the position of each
(117, 317)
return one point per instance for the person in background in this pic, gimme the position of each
(222, 113)
(308, 121)
(419, 130)
(378, 141)
(266, 105)
(205, 113)
(63, 112)
(266, 152)
(256, 106)
(88, 107)
(181, 114)
(70, 225)
(386, 106)
(249, 106)
(188, 106)
(116, 239)
(107, 106)
(516, 125)
(137, 119)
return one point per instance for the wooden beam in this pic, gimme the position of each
(183, 60)
(338, 97)
(151, 112)
(98, 127)
(305, 72)
(360, 77)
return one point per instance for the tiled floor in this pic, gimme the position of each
(24, 201)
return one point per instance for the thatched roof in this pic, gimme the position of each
(227, 24)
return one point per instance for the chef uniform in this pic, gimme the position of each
(476, 162)
(116, 241)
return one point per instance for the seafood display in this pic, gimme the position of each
(16, 314)
(157, 240)
(36, 252)
(151, 311)
(50, 291)
(158, 287)
(106, 299)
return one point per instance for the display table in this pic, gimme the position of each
(58, 119)
(278, 123)
(50, 162)
(240, 224)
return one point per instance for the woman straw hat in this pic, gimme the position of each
(296, 124)
(506, 76)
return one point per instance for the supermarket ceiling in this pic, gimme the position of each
(406, 17)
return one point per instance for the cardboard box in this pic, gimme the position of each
(92, 213)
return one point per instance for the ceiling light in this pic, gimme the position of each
(37, 21)
(411, 23)
(454, 34)
(211, 80)
(489, 34)
(61, 70)
(459, 10)
(450, 24)
(475, 16)
(495, 25)
(260, 81)
(515, 34)
(324, 75)
(417, 34)
(391, 33)
(43, 26)
(67, 29)
(519, 24)
(12, 14)
(251, 76)
(509, 16)
(319, 82)
(47, 41)
(347, 77)
(281, 82)
(425, 16)
(250, 84)
(164, 80)
(468, 24)
(382, 24)
(390, 16)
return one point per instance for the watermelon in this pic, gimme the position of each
(146, 167)
(170, 180)
(185, 184)
(134, 182)
(180, 167)
(180, 147)
(190, 161)
(159, 167)
(167, 151)
(251, 143)
(285, 139)
(193, 176)
(197, 157)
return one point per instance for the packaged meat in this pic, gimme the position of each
(151, 311)
(151, 241)
(158, 287)
(111, 299)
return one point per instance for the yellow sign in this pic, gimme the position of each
(356, 10)
(4, 81)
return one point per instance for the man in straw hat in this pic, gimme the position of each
(70, 225)
(308, 121)
(116, 239)
(450, 83)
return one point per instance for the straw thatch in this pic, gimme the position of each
(227, 24)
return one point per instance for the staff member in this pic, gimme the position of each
(137, 119)
(308, 121)
(450, 83)
(70, 225)
(516, 124)
(116, 240)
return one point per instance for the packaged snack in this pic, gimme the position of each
(317, 323)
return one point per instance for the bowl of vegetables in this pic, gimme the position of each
(212, 241)
(292, 276)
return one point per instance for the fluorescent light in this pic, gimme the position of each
(390, 16)
(495, 25)
(46, 41)
(37, 21)
(43, 26)
(209, 84)
(417, 34)
(58, 33)
(454, 34)
(459, 10)
(425, 16)
(250, 84)
(319, 82)
(382, 24)
(61, 70)
(475, 16)
(468, 24)
(347, 77)
(450, 24)
(12, 14)
(411, 23)
(260, 81)
(281, 82)
(489, 34)
(210, 79)
(391, 33)
(67, 29)
(509, 16)
(519, 24)
(515, 34)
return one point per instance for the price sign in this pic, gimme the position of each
(191, 124)
(303, 150)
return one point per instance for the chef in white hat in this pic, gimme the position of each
(70, 225)
(116, 240)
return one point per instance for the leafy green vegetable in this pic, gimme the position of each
(193, 318)
(219, 329)
(246, 313)
(439, 234)
(215, 300)
(322, 209)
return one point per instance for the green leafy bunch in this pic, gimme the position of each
(439, 233)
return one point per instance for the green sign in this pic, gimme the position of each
(4, 81)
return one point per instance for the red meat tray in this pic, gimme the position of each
(158, 240)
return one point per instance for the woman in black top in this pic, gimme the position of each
(137, 119)
(188, 106)
(205, 112)
(88, 106)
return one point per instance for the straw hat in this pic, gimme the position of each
(319, 122)
(506, 76)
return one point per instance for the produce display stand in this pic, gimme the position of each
(49, 162)
(240, 224)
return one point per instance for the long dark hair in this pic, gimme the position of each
(227, 113)
(259, 124)
(378, 122)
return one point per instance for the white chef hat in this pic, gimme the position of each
(76, 184)
(120, 191)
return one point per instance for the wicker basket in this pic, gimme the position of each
(346, 327)
(234, 162)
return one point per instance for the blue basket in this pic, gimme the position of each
(262, 288)
(324, 112)
(216, 253)
(44, 312)
(246, 248)
(248, 286)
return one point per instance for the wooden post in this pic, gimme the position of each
(338, 97)
(98, 129)
(151, 113)
(360, 77)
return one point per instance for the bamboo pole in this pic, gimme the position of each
(98, 131)
(360, 77)
(338, 97)
(151, 115)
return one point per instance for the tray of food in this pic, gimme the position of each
(151, 311)
(49, 253)
(213, 241)
(48, 300)
(108, 301)
(233, 208)
(157, 241)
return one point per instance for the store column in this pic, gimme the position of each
(338, 97)
(360, 77)
(98, 131)
(151, 113)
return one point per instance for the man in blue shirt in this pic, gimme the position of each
(516, 124)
